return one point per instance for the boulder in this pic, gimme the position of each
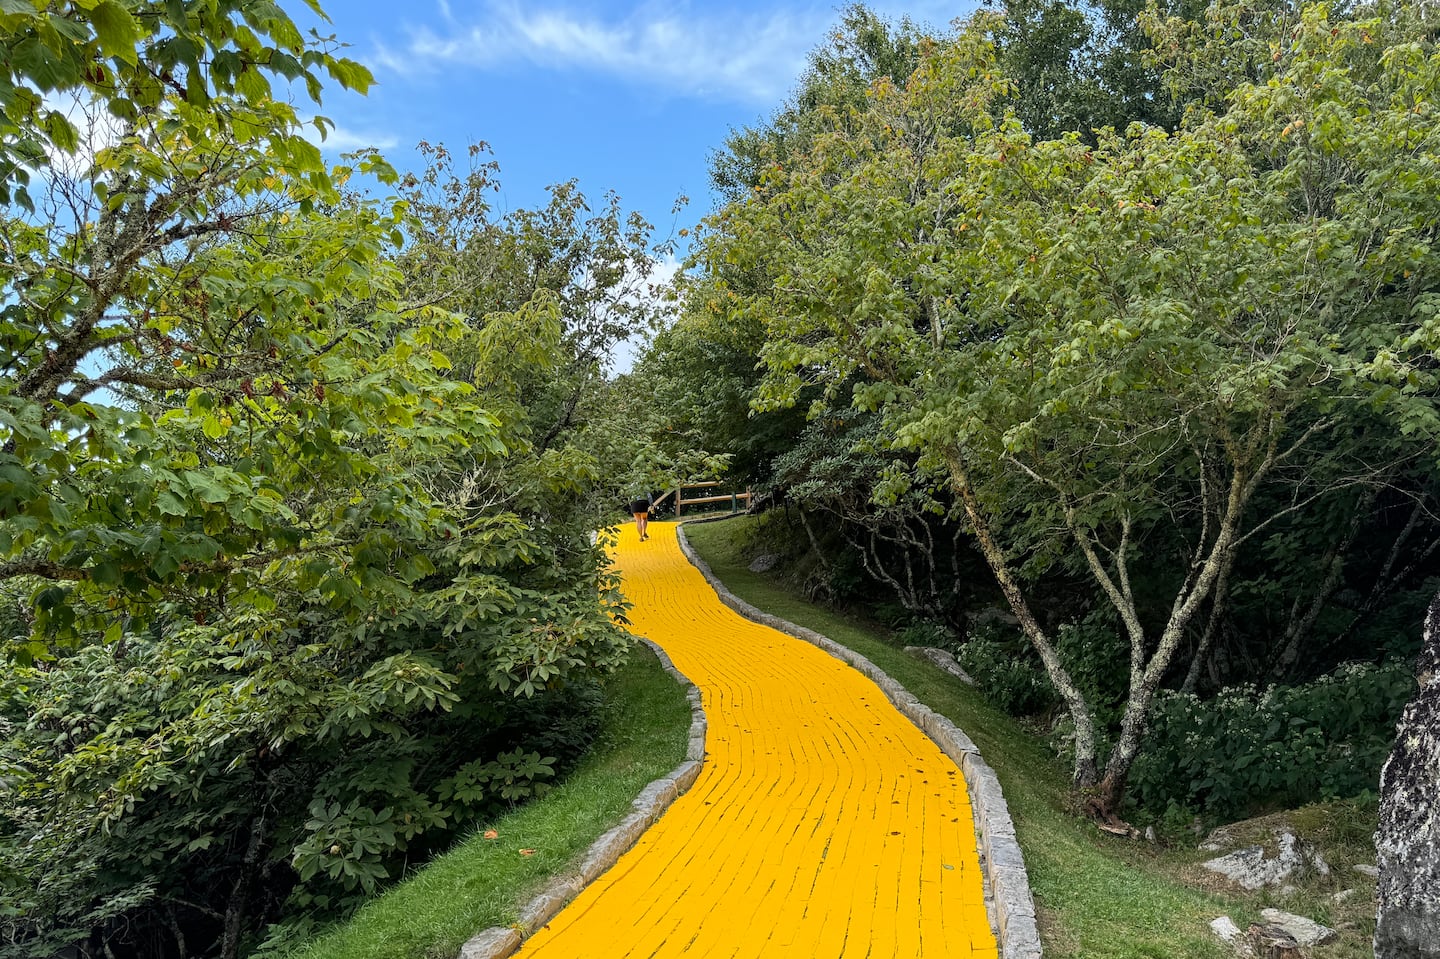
(1254, 866)
(1272, 942)
(1407, 842)
(942, 658)
(1227, 932)
(764, 563)
(1219, 840)
(992, 614)
(1305, 932)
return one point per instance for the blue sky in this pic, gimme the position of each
(623, 97)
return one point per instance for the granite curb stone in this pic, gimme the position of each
(1013, 918)
(498, 942)
(495, 941)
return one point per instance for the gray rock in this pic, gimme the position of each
(1227, 932)
(1253, 868)
(944, 659)
(1222, 838)
(1304, 931)
(1344, 895)
(1365, 869)
(993, 614)
(548, 902)
(1272, 942)
(764, 563)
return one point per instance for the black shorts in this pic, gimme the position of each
(640, 506)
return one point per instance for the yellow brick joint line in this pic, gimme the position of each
(824, 824)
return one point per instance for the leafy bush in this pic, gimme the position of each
(1250, 747)
(926, 633)
(1006, 670)
(1097, 656)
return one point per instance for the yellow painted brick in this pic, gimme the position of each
(821, 825)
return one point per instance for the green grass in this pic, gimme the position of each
(482, 883)
(1099, 897)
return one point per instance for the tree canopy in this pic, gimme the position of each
(296, 496)
(1125, 358)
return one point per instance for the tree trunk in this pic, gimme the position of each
(1145, 677)
(1086, 768)
(236, 909)
(177, 932)
(1301, 624)
(1212, 626)
(1407, 920)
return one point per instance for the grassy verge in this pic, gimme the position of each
(482, 883)
(1099, 897)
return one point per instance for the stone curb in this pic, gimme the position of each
(1012, 909)
(498, 942)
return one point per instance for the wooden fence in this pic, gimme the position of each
(734, 499)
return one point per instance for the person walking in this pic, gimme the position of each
(640, 509)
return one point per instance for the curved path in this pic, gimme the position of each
(823, 824)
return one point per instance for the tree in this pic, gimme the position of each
(129, 281)
(712, 408)
(289, 598)
(1056, 54)
(1096, 346)
(863, 47)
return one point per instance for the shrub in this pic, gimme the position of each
(1006, 670)
(926, 633)
(1097, 656)
(1282, 745)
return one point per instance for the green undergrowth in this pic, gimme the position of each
(1099, 897)
(483, 882)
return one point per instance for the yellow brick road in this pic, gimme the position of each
(824, 824)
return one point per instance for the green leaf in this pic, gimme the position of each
(171, 505)
(163, 565)
(252, 84)
(51, 597)
(116, 30)
(105, 574)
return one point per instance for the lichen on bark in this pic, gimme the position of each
(1408, 840)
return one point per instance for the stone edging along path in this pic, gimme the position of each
(1011, 908)
(498, 942)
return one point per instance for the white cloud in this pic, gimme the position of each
(340, 139)
(747, 57)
